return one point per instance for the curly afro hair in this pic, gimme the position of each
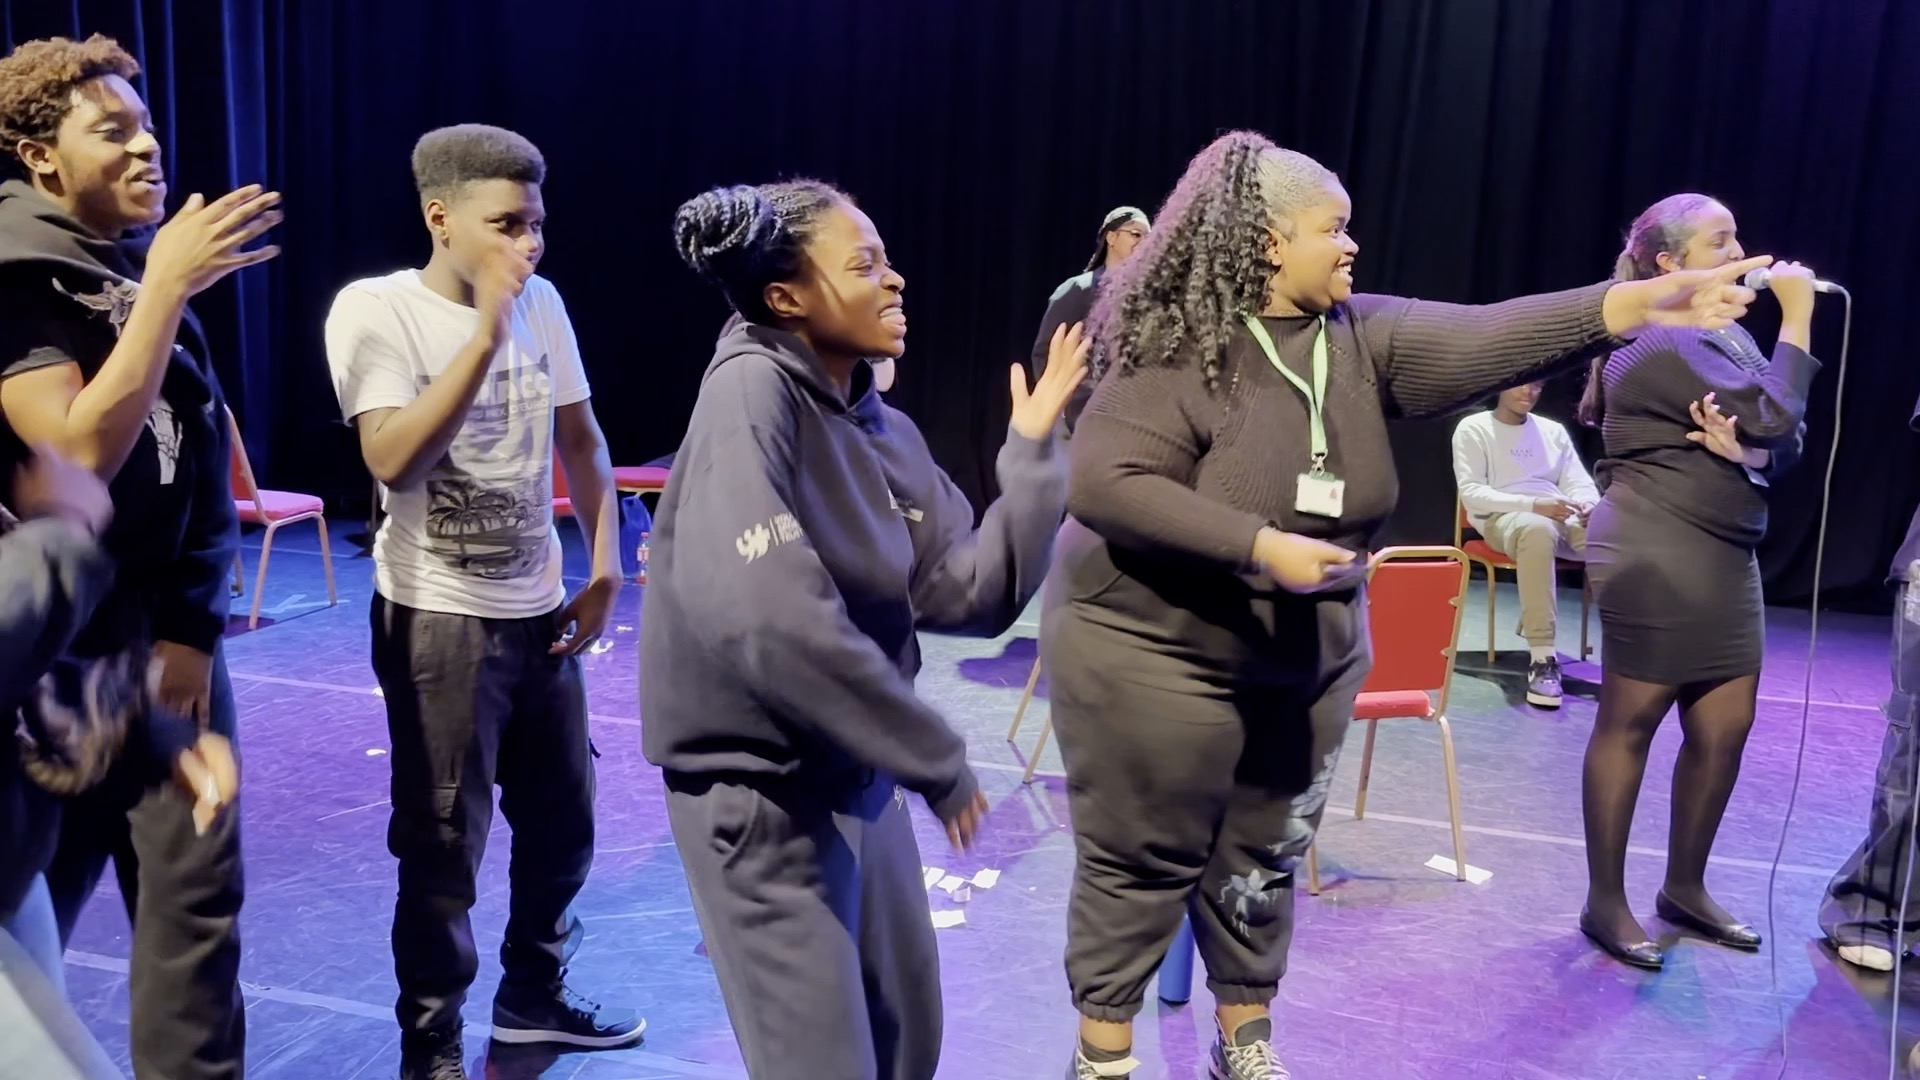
(37, 82)
(448, 159)
(1205, 264)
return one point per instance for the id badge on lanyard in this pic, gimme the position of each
(1317, 491)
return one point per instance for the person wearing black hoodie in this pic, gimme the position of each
(1121, 231)
(805, 535)
(101, 360)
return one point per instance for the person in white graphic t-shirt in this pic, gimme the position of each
(464, 381)
(1525, 490)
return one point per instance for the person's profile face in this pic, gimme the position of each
(1713, 240)
(1316, 261)
(848, 296)
(104, 157)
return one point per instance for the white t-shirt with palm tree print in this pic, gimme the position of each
(475, 537)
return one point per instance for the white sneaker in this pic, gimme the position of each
(1871, 957)
(1085, 1069)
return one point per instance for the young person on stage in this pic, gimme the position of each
(1205, 629)
(1670, 552)
(464, 381)
(1120, 234)
(101, 360)
(1861, 916)
(1523, 487)
(806, 534)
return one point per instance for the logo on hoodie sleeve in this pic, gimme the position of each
(782, 529)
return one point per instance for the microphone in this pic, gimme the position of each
(1762, 278)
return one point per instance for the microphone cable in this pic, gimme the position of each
(1806, 707)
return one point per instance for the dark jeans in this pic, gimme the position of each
(1863, 901)
(472, 703)
(183, 895)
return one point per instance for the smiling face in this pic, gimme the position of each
(846, 300)
(103, 164)
(1312, 251)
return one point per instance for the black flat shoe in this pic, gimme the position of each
(1645, 955)
(1733, 935)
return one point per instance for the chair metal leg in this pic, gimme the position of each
(326, 561)
(1019, 714)
(1586, 613)
(1490, 576)
(260, 579)
(1033, 759)
(1453, 799)
(1176, 970)
(1313, 869)
(1366, 771)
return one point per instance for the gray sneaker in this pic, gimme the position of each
(1248, 1055)
(1543, 684)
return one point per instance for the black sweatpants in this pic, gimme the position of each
(1194, 791)
(472, 703)
(182, 893)
(815, 916)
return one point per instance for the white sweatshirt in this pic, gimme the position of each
(1502, 468)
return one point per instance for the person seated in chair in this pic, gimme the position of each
(1526, 492)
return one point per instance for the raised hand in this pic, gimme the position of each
(1035, 414)
(206, 241)
(1717, 433)
(503, 277)
(1707, 299)
(1792, 286)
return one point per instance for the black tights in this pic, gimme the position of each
(1714, 720)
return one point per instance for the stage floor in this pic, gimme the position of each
(1398, 972)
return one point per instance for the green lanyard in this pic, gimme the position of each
(1316, 394)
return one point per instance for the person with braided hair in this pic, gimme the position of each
(1205, 632)
(805, 535)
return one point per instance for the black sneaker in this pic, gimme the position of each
(1248, 1055)
(558, 1015)
(432, 1055)
(1543, 683)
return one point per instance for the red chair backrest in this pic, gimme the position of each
(1413, 615)
(239, 470)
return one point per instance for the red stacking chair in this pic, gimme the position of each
(1415, 596)
(272, 509)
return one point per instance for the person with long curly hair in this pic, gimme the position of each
(1670, 552)
(1205, 630)
(805, 535)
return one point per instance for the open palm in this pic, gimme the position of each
(1718, 433)
(1036, 412)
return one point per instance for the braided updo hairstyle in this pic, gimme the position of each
(744, 238)
(1178, 299)
(1665, 228)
